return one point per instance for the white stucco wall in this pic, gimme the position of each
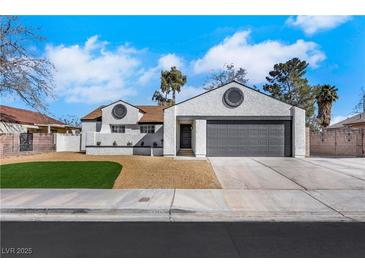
(298, 131)
(169, 147)
(66, 142)
(93, 132)
(86, 127)
(200, 138)
(132, 134)
(211, 104)
(254, 104)
(132, 117)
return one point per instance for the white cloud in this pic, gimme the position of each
(188, 92)
(258, 58)
(312, 24)
(164, 63)
(92, 74)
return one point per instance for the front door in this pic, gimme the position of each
(185, 136)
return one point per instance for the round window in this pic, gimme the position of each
(119, 111)
(233, 97)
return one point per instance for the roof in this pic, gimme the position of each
(234, 81)
(23, 116)
(95, 114)
(353, 120)
(151, 114)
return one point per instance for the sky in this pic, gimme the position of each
(100, 59)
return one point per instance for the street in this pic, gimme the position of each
(152, 239)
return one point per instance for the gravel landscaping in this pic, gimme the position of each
(141, 171)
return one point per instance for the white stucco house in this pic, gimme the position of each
(232, 120)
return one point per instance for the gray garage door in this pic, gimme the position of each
(249, 138)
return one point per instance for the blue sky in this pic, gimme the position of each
(103, 58)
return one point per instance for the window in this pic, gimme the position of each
(147, 129)
(117, 128)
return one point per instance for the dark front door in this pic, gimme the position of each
(185, 136)
(26, 141)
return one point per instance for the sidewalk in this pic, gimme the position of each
(170, 205)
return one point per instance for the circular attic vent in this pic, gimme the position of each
(119, 111)
(233, 97)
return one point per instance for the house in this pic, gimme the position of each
(232, 120)
(356, 121)
(16, 120)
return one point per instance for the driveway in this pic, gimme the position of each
(290, 173)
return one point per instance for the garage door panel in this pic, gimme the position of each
(248, 138)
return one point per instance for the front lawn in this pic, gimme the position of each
(60, 174)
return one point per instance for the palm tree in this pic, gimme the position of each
(326, 95)
(171, 81)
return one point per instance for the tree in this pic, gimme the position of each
(171, 82)
(325, 97)
(226, 75)
(360, 106)
(21, 73)
(287, 82)
(71, 120)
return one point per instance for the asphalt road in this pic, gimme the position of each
(120, 239)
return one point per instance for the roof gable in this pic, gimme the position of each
(151, 114)
(233, 81)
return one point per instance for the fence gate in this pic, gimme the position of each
(26, 141)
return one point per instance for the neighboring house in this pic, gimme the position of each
(232, 120)
(356, 121)
(16, 120)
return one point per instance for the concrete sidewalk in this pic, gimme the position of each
(181, 205)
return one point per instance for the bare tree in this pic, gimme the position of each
(21, 73)
(224, 76)
(360, 106)
(71, 120)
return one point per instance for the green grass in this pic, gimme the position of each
(68, 174)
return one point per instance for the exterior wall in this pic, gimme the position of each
(254, 104)
(10, 144)
(132, 134)
(147, 151)
(193, 137)
(132, 117)
(211, 104)
(200, 138)
(307, 142)
(169, 139)
(68, 142)
(87, 127)
(298, 134)
(338, 142)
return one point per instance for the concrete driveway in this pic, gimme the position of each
(290, 173)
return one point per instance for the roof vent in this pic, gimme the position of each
(233, 97)
(119, 111)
